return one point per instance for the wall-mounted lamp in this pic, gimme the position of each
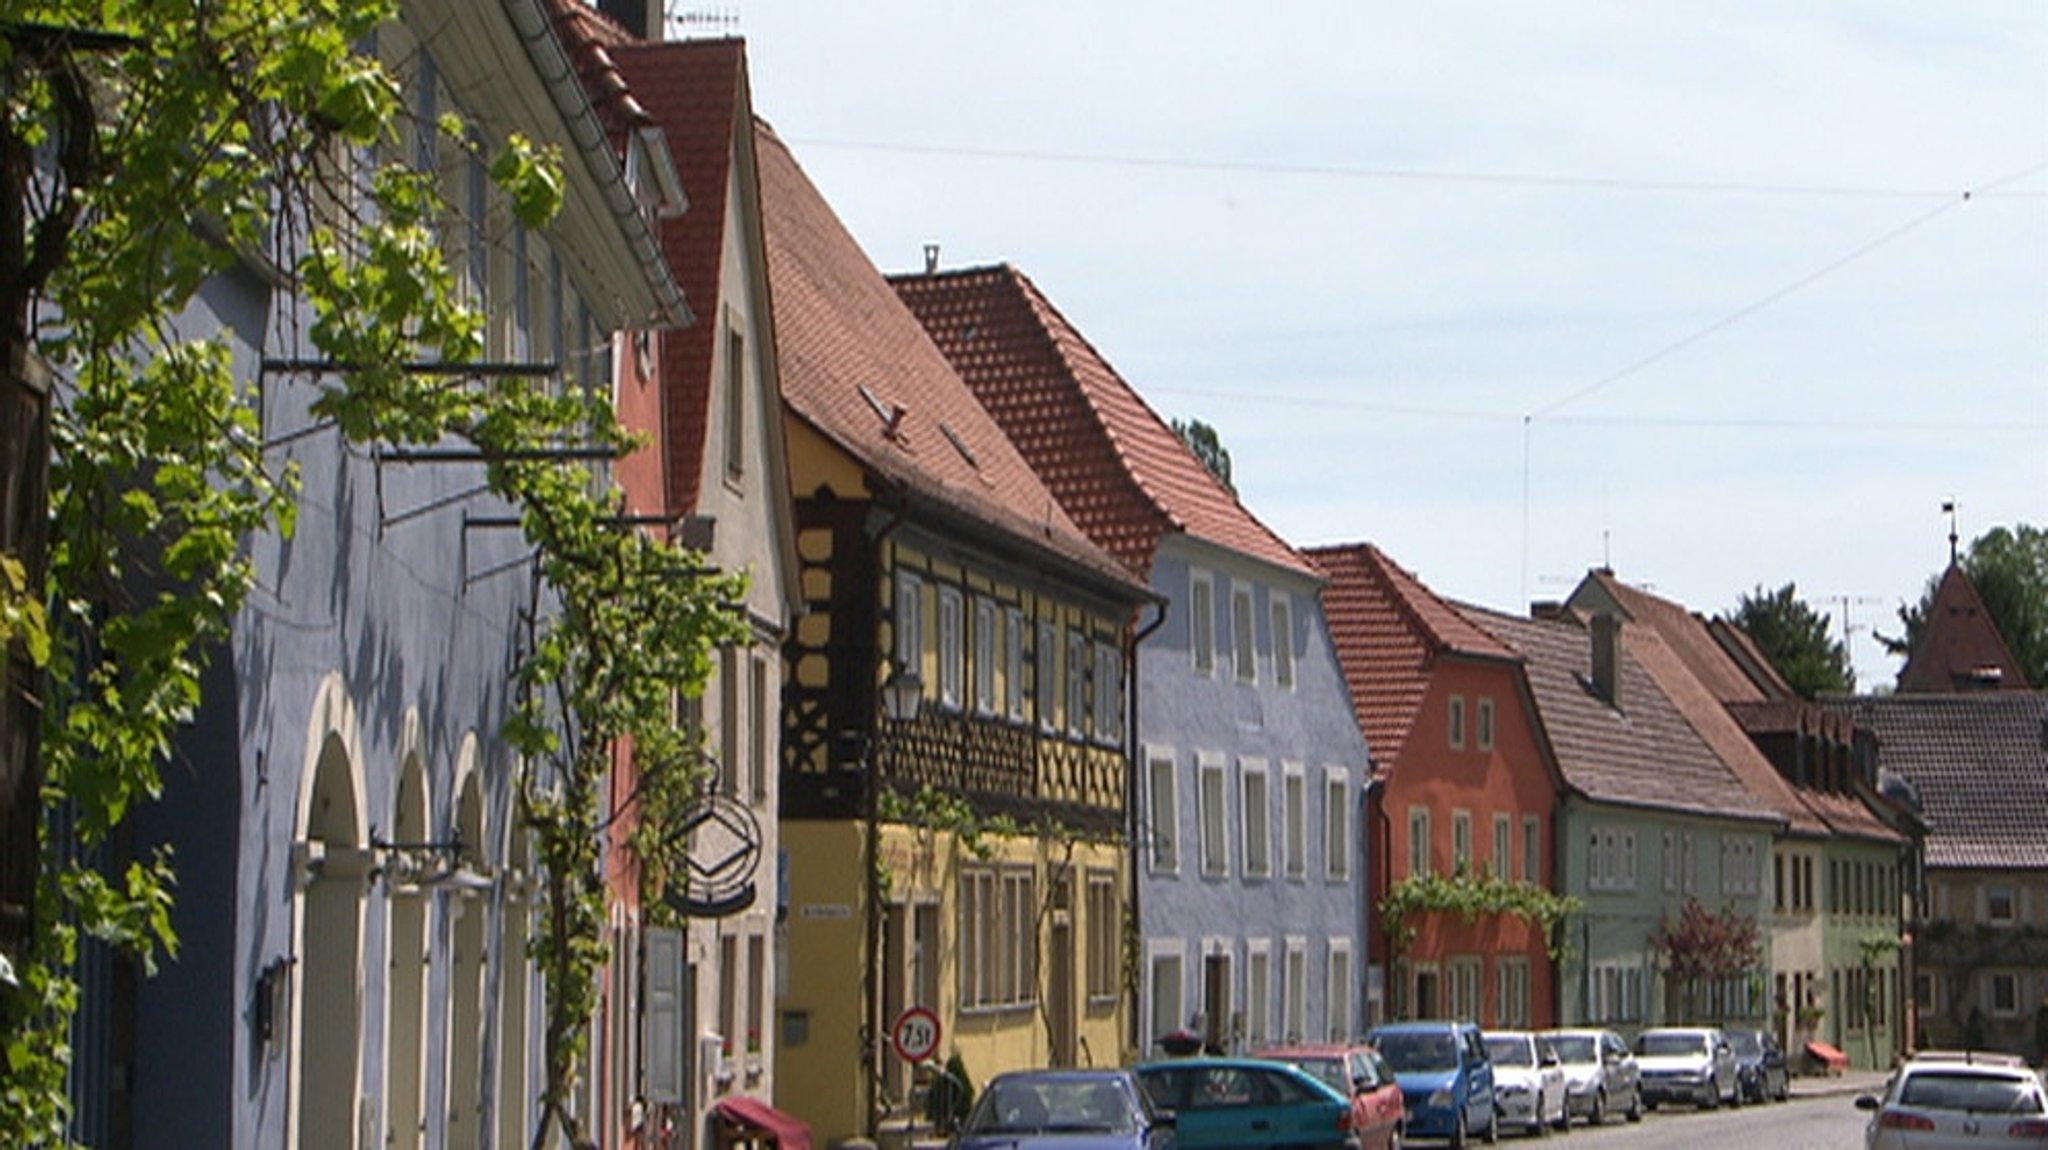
(902, 695)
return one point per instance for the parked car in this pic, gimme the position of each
(1948, 1103)
(1065, 1110)
(1528, 1081)
(1247, 1104)
(1377, 1112)
(1446, 1078)
(1692, 1064)
(1600, 1074)
(1760, 1066)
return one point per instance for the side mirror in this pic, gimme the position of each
(1361, 1084)
(1867, 1102)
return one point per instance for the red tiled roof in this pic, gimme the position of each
(1388, 629)
(857, 366)
(1119, 469)
(696, 92)
(1978, 763)
(1959, 648)
(1642, 753)
(589, 37)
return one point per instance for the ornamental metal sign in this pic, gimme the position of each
(722, 850)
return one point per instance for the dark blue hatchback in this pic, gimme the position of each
(1065, 1110)
(1446, 1078)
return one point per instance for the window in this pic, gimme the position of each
(1013, 663)
(1105, 935)
(1077, 683)
(1109, 694)
(1513, 974)
(1337, 825)
(1616, 991)
(757, 992)
(984, 656)
(1215, 840)
(1778, 902)
(1283, 641)
(1679, 869)
(999, 937)
(1244, 651)
(735, 403)
(1046, 674)
(1999, 905)
(1294, 991)
(1613, 861)
(1503, 862)
(1457, 716)
(2002, 993)
(1163, 987)
(1418, 841)
(1258, 820)
(1484, 719)
(1294, 800)
(730, 749)
(1338, 995)
(1461, 842)
(1258, 989)
(1740, 872)
(949, 648)
(765, 713)
(1532, 849)
(1202, 621)
(1461, 976)
(909, 622)
(1165, 813)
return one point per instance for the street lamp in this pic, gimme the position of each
(902, 694)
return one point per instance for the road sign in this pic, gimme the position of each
(915, 1035)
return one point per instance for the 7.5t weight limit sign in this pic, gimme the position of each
(915, 1035)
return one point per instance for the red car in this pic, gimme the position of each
(1358, 1072)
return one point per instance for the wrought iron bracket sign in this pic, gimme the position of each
(722, 851)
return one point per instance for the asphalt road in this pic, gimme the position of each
(1824, 1122)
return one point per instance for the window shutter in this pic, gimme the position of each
(663, 1045)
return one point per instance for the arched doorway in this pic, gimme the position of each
(515, 1094)
(333, 865)
(468, 910)
(405, 1005)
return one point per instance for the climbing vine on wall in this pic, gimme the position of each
(1470, 896)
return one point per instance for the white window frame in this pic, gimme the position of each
(1503, 860)
(1339, 982)
(1280, 612)
(1163, 831)
(1511, 1003)
(1105, 936)
(1992, 980)
(909, 622)
(952, 684)
(1211, 802)
(1418, 842)
(1454, 714)
(1532, 850)
(1109, 711)
(1483, 723)
(1337, 843)
(1258, 992)
(1202, 621)
(984, 669)
(1461, 841)
(1294, 989)
(1294, 820)
(1165, 1013)
(1013, 663)
(2012, 901)
(1244, 640)
(1464, 988)
(1256, 813)
(1076, 679)
(1046, 675)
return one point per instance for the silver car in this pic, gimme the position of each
(1958, 1104)
(1691, 1064)
(1600, 1075)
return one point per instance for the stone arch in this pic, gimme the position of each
(331, 857)
(405, 1002)
(514, 1097)
(469, 941)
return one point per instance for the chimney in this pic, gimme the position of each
(1606, 628)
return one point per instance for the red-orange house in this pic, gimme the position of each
(1464, 782)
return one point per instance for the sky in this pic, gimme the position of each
(1722, 295)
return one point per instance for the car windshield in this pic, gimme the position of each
(1412, 1052)
(1575, 1048)
(1977, 1093)
(1510, 1052)
(1328, 1071)
(1667, 1045)
(1746, 1043)
(1092, 1105)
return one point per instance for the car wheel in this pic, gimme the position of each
(1736, 1098)
(1711, 1100)
(1564, 1112)
(1492, 1134)
(1599, 1115)
(1635, 1111)
(1394, 1138)
(1458, 1132)
(1784, 1088)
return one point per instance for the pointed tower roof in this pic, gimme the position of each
(1959, 648)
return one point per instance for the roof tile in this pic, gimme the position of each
(1979, 764)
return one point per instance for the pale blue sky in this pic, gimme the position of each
(1710, 262)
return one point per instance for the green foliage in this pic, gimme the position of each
(949, 1097)
(1207, 445)
(931, 810)
(2009, 568)
(1795, 638)
(1469, 896)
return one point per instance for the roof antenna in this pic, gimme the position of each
(1948, 508)
(931, 258)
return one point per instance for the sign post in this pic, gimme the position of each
(915, 1035)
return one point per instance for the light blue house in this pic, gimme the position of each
(1250, 767)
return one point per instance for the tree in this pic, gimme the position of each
(145, 148)
(1701, 949)
(1208, 447)
(2009, 568)
(1794, 637)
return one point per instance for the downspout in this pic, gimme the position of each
(1135, 1027)
(871, 926)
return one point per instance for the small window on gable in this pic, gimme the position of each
(1202, 621)
(1457, 719)
(735, 403)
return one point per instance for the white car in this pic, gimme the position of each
(1600, 1075)
(1983, 1102)
(1528, 1081)
(1693, 1064)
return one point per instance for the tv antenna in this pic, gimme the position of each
(702, 20)
(1948, 508)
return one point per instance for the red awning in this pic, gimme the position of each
(1835, 1059)
(789, 1132)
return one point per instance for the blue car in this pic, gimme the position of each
(1247, 1104)
(1446, 1078)
(1064, 1110)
